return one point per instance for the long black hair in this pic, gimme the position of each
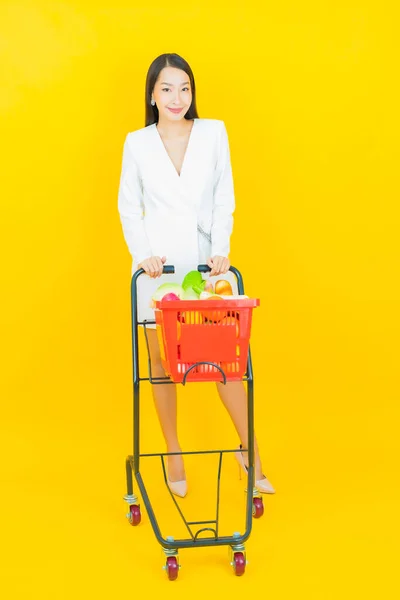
(158, 64)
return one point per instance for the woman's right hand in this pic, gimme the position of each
(153, 266)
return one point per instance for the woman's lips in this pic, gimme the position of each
(175, 110)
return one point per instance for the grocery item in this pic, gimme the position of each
(170, 296)
(194, 280)
(190, 294)
(190, 317)
(166, 288)
(223, 288)
(163, 290)
(209, 287)
(205, 295)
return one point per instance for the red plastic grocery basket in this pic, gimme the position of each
(199, 331)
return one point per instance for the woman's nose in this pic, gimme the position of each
(177, 99)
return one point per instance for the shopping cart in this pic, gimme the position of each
(200, 340)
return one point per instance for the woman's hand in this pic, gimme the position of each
(219, 265)
(153, 266)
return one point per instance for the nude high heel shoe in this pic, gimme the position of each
(178, 488)
(263, 485)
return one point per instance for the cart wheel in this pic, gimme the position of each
(239, 563)
(172, 568)
(258, 508)
(134, 514)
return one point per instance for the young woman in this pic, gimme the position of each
(176, 201)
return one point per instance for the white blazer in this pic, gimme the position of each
(186, 217)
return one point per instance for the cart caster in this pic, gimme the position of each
(239, 563)
(172, 565)
(134, 516)
(258, 508)
(238, 556)
(172, 568)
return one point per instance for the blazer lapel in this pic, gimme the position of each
(165, 156)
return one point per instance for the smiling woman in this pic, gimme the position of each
(176, 197)
(170, 87)
(176, 203)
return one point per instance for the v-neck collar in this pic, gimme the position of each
(179, 176)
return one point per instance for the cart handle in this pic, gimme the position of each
(170, 269)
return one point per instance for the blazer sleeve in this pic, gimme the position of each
(131, 207)
(224, 199)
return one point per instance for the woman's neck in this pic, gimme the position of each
(174, 129)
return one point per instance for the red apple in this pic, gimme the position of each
(170, 296)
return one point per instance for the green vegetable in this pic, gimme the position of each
(192, 279)
(200, 287)
(190, 294)
(167, 288)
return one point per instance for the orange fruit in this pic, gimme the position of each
(223, 287)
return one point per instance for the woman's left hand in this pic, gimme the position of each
(219, 265)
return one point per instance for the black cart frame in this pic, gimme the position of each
(169, 544)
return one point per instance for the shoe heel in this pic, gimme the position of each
(240, 462)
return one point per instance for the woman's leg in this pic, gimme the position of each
(165, 403)
(234, 398)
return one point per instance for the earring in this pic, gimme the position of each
(153, 102)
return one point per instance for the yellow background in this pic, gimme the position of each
(308, 94)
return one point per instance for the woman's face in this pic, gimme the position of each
(172, 90)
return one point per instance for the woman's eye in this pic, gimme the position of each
(167, 89)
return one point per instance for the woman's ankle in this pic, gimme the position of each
(257, 462)
(176, 467)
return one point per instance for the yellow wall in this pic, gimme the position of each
(308, 94)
